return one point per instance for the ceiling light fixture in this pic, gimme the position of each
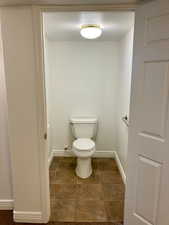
(91, 31)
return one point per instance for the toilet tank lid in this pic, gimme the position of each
(83, 120)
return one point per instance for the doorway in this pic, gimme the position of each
(92, 78)
(147, 186)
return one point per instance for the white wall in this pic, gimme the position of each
(123, 93)
(21, 75)
(83, 83)
(5, 167)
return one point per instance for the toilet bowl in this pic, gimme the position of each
(83, 148)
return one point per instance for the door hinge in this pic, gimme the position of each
(45, 136)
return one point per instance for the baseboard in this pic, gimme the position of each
(120, 167)
(6, 204)
(50, 158)
(68, 153)
(62, 153)
(27, 217)
(104, 154)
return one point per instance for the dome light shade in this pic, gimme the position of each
(90, 31)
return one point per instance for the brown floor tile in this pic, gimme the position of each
(95, 199)
(63, 210)
(66, 159)
(112, 177)
(64, 191)
(93, 179)
(65, 176)
(67, 163)
(88, 211)
(105, 164)
(113, 192)
(94, 163)
(55, 164)
(114, 210)
(89, 192)
(52, 176)
(52, 191)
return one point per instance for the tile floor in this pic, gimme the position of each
(98, 198)
(6, 218)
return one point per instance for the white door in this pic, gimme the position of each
(147, 191)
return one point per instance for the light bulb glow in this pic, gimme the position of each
(91, 31)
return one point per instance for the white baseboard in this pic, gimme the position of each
(120, 167)
(6, 204)
(50, 158)
(104, 154)
(62, 153)
(27, 217)
(68, 153)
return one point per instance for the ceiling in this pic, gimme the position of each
(62, 2)
(65, 26)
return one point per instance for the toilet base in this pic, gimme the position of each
(84, 167)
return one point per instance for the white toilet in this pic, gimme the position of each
(84, 129)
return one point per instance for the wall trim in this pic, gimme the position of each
(63, 5)
(68, 153)
(6, 204)
(27, 217)
(50, 158)
(120, 167)
(104, 154)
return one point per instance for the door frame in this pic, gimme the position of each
(37, 14)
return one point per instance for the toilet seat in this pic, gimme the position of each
(83, 148)
(84, 144)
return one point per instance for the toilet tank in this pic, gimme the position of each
(84, 127)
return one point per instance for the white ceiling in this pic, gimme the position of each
(65, 26)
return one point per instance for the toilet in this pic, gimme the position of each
(83, 129)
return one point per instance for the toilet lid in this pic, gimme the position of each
(84, 144)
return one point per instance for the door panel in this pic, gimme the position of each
(155, 91)
(157, 28)
(147, 190)
(144, 191)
